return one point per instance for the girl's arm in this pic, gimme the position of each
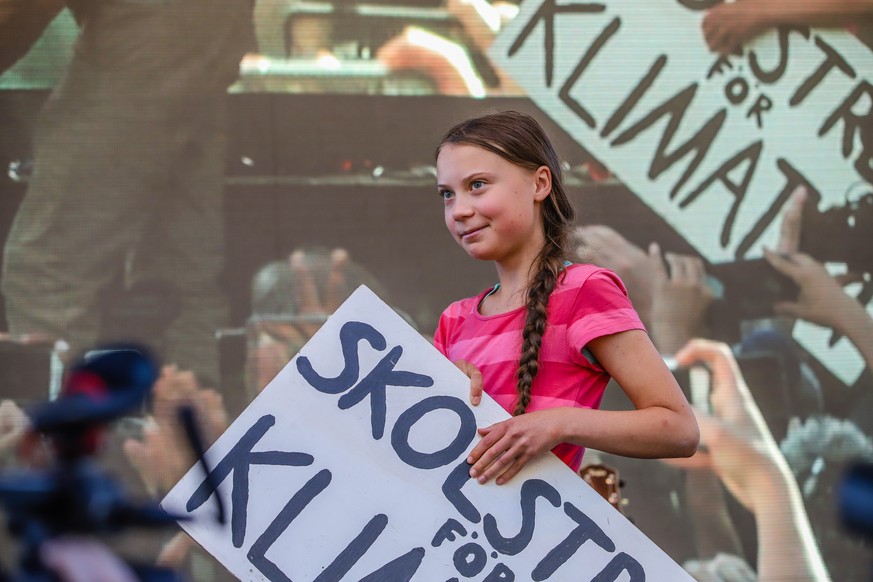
(663, 424)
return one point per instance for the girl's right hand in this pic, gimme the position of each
(475, 377)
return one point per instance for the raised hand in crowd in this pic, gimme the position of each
(680, 301)
(672, 299)
(444, 62)
(315, 285)
(163, 455)
(740, 449)
(791, 224)
(447, 62)
(13, 426)
(822, 300)
(603, 246)
(729, 25)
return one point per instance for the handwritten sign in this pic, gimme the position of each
(350, 465)
(715, 145)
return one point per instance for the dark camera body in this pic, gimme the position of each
(749, 290)
(840, 234)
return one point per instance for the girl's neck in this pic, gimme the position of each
(514, 272)
(512, 290)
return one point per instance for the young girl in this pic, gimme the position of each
(546, 339)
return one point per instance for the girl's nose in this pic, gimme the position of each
(461, 208)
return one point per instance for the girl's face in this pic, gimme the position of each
(492, 206)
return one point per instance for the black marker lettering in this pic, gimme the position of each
(375, 383)
(447, 532)
(832, 59)
(634, 97)
(620, 564)
(749, 155)
(500, 573)
(761, 106)
(257, 553)
(401, 569)
(583, 63)
(698, 5)
(354, 551)
(852, 122)
(586, 530)
(793, 179)
(736, 90)
(531, 490)
(405, 422)
(470, 559)
(699, 143)
(452, 491)
(770, 77)
(546, 12)
(237, 461)
(721, 63)
(350, 334)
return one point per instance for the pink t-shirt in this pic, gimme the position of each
(588, 302)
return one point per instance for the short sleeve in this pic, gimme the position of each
(602, 307)
(441, 334)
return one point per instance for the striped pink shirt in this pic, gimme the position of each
(588, 302)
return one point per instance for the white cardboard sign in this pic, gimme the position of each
(715, 145)
(350, 465)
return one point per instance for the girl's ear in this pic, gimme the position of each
(543, 183)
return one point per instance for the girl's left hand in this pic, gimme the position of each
(475, 377)
(507, 446)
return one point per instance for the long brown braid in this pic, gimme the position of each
(519, 139)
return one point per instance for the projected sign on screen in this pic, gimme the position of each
(714, 144)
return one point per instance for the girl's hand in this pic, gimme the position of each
(507, 446)
(475, 377)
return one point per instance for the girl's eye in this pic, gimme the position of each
(446, 194)
(476, 184)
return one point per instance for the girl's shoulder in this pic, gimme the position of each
(466, 305)
(577, 274)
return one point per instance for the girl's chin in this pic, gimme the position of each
(480, 255)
